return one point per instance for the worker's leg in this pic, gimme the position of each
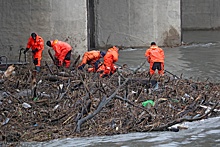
(161, 71)
(152, 70)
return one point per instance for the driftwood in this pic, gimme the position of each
(76, 103)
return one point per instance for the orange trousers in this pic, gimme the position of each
(159, 69)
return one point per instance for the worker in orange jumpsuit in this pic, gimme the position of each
(91, 58)
(36, 43)
(155, 56)
(62, 52)
(110, 58)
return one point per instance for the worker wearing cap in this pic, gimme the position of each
(62, 52)
(91, 58)
(36, 43)
(155, 56)
(110, 58)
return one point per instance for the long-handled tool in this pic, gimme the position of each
(172, 74)
(51, 56)
(20, 52)
(4, 66)
(75, 62)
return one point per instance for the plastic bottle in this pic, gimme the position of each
(26, 105)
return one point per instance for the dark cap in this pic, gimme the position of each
(33, 35)
(153, 43)
(48, 43)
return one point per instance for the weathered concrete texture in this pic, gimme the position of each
(200, 14)
(135, 23)
(65, 20)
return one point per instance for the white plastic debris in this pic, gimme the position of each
(55, 107)
(26, 105)
(61, 86)
(39, 82)
(186, 95)
(6, 121)
(133, 92)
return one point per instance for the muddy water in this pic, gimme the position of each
(199, 60)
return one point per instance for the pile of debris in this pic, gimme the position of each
(58, 103)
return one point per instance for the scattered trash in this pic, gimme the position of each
(177, 127)
(5, 94)
(6, 121)
(39, 82)
(133, 92)
(55, 107)
(173, 129)
(209, 108)
(148, 103)
(9, 71)
(156, 86)
(26, 105)
(196, 116)
(99, 106)
(175, 100)
(35, 125)
(186, 95)
(36, 98)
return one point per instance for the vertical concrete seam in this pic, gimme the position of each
(155, 19)
(129, 12)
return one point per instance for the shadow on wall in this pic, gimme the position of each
(171, 37)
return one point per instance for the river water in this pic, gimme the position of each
(200, 60)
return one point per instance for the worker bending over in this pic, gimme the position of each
(62, 52)
(91, 58)
(110, 58)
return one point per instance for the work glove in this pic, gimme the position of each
(89, 62)
(148, 59)
(97, 64)
(25, 51)
(81, 67)
(60, 63)
(35, 61)
(34, 51)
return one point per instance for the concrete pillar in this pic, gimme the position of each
(64, 20)
(135, 23)
(200, 14)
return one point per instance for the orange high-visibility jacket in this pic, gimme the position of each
(155, 54)
(111, 57)
(61, 49)
(39, 44)
(91, 56)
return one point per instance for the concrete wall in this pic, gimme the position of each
(200, 14)
(65, 20)
(135, 23)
